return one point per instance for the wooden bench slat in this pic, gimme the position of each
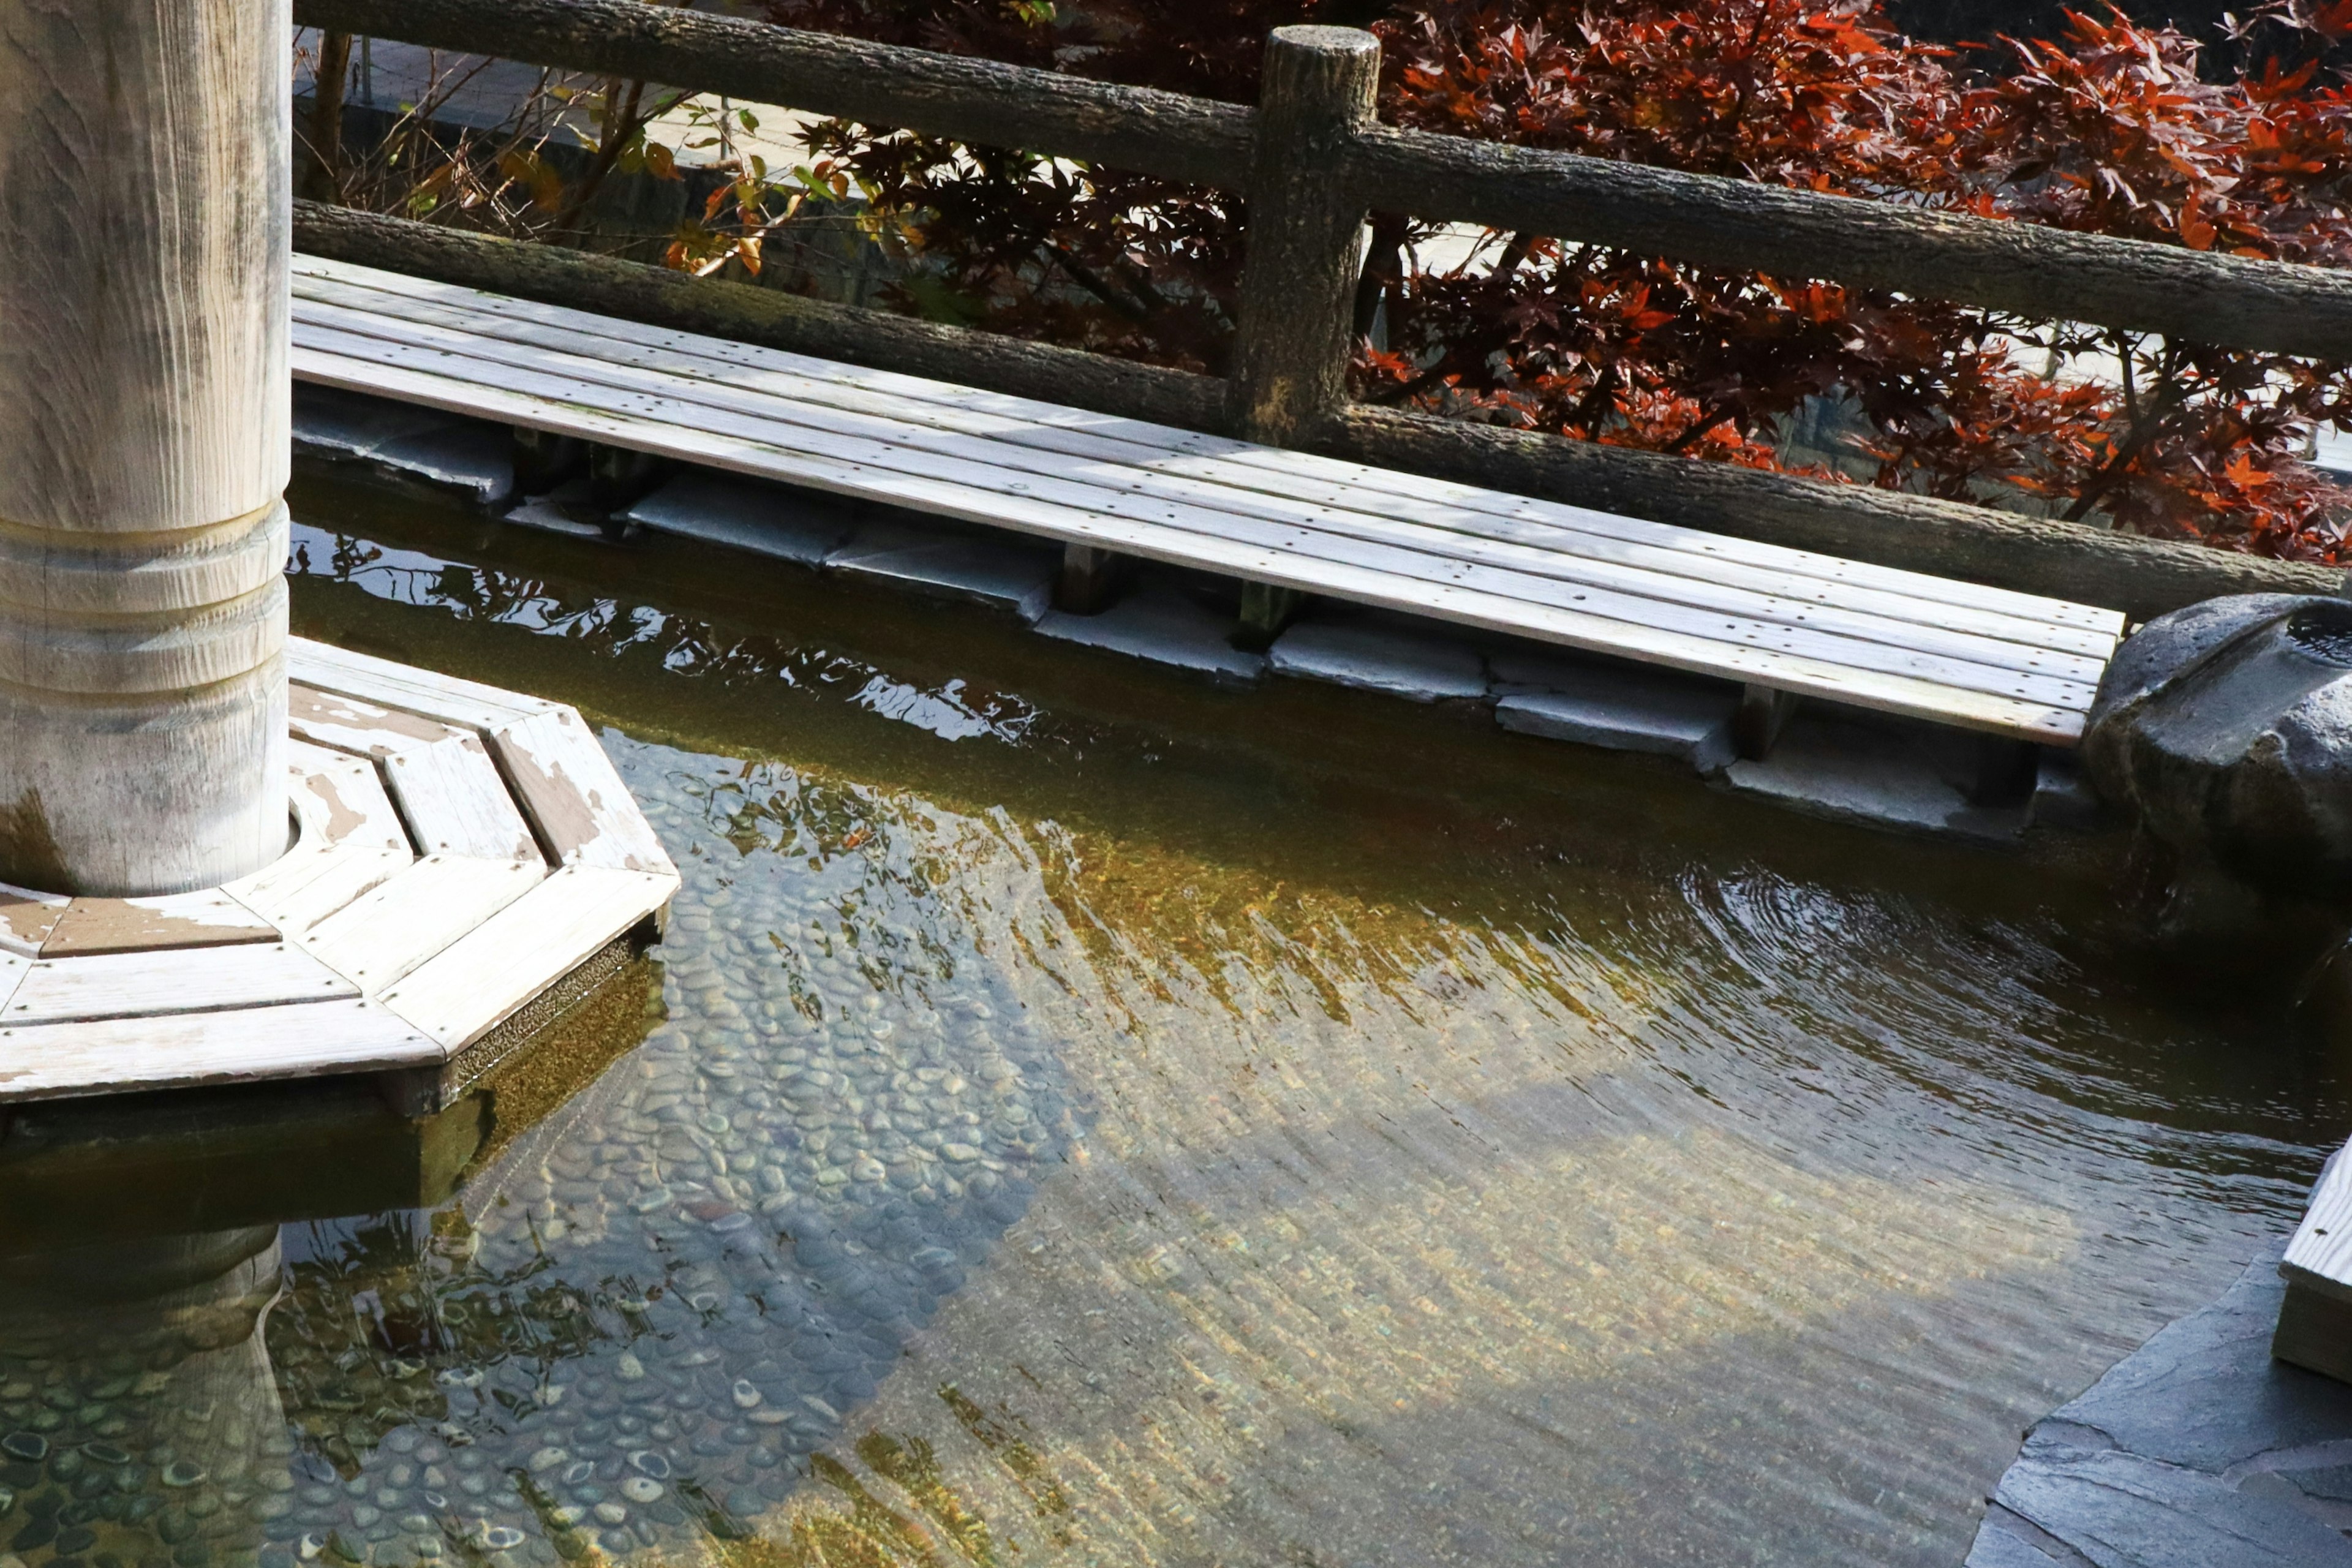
(1206, 507)
(1546, 547)
(183, 979)
(1831, 569)
(390, 930)
(2054, 724)
(1078, 511)
(117, 1056)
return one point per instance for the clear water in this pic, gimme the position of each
(1080, 1116)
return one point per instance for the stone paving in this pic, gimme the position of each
(2195, 1451)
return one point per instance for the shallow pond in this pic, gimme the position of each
(1082, 1116)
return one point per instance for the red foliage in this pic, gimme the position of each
(2109, 129)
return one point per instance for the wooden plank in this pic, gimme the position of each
(92, 927)
(344, 797)
(26, 918)
(589, 334)
(575, 796)
(468, 704)
(391, 930)
(351, 840)
(1573, 532)
(358, 727)
(447, 785)
(52, 1061)
(1201, 504)
(13, 970)
(294, 896)
(482, 979)
(457, 803)
(656, 423)
(2049, 722)
(181, 980)
(2322, 1245)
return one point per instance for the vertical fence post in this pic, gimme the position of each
(1306, 252)
(144, 406)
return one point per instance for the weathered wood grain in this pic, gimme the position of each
(26, 918)
(1971, 544)
(209, 918)
(1785, 655)
(118, 1055)
(170, 980)
(2143, 578)
(1742, 225)
(1305, 244)
(849, 333)
(342, 798)
(997, 105)
(466, 704)
(143, 373)
(1580, 548)
(388, 932)
(736, 372)
(575, 796)
(511, 957)
(448, 788)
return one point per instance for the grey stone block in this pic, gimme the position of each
(1003, 571)
(2063, 796)
(474, 457)
(564, 510)
(1625, 709)
(1163, 625)
(2196, 1449)
(1878, 774)
(791, 525)
(333, 423)
(1371, 654)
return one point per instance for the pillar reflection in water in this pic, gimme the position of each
(139, 1424)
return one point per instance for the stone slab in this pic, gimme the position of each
(2197, 1450)
(2064, 799)
(474, 457)
(1624, 707)
(564, 509)
(1876, 774)
(1003, 571)
(1165, 625)
(745, 515)
(338, 424)
(1390, 655)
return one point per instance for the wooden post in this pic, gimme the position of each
(144, 406)
(1306, 244)
(1306, 255)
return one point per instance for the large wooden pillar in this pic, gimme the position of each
(144, 226)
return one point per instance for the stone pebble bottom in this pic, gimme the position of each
(640, 1324)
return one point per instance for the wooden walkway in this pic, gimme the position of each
(1776, 620)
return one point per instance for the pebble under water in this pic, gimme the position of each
(1077, 1118)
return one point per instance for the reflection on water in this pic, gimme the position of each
(1088, 1122)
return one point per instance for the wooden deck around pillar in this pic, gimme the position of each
(454, 852)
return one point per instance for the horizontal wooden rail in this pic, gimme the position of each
(1737, 225)
(1169, 134)
(2142, 577)
(1741, 226)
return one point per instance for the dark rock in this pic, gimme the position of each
(2196, 1451)
(2227, 729)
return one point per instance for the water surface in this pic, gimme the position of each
(1079, 1116)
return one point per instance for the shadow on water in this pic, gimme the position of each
(1081, 1116)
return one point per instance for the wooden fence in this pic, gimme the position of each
(1312, 159)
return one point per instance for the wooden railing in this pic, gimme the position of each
(1312, 159)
